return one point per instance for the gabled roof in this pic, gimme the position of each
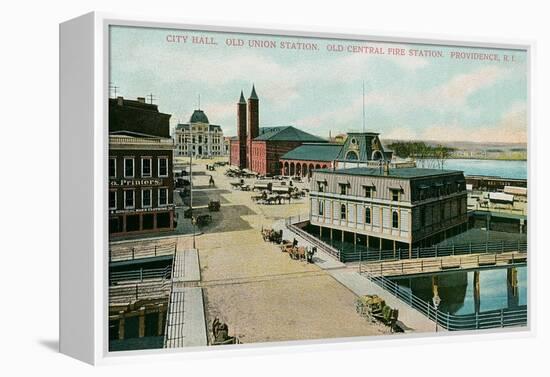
(314, 152)
(287, 133)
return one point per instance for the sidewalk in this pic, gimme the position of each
(409, 318)
(185, 322)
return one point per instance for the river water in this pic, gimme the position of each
(456, 290)
(500, 168)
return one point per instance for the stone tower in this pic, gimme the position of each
(241, 131)
(253, 124)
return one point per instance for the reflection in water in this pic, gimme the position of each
(472, 291)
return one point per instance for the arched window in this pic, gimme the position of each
(367, 215)
(343, 212)
(377, 155)
(321, 207)
(352, 155)
(395, 219)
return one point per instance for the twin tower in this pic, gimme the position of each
(248, 127)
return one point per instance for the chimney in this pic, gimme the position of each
(386, 168)
(141, 99)
(120, 101)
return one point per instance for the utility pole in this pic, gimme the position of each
(363, 105)
(114, 88)
(151, 98)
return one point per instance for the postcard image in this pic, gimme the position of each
(271, 188)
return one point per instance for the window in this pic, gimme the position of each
(343, 212)
(146, 167)
(146, 198)
(321, 186)
(395, 219)
(128, 167)
(163, 197)
(369, 190)
(163, 167)
(129, 198)
(112, 199)
(352, 155)
(423, 216)
(367, 216)
(442, 211)
(343, 188)
(395, 195)
(112, 167)
(321, 207)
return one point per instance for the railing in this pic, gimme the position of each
(290, 223)
(130, 253)
(408, 267)
(140, 275)
(363, 253)
(495, 247)
(127, 293)
(485, 320)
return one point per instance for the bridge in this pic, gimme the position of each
(441, 264)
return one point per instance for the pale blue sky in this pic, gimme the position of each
(406, 97)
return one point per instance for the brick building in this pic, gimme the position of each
(140, 165)
(260, 148)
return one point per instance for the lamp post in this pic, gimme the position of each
(194, 222)
(436, 301)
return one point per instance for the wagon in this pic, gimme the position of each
(214, 206)
(270, 235)
(374, 308)
(203, 220)
(286, 246)
(297, 253)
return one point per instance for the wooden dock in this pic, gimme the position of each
(441, 264)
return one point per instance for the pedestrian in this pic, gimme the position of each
(294, 242)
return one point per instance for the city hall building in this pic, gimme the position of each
(199, 138)
(389, 208)
(140, 167)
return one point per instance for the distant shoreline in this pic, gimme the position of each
(488, 158)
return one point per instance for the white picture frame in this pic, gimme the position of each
(84, 93)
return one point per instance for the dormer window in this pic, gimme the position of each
(343, 188)
(395, 194)
(321, 186)
(369, 191)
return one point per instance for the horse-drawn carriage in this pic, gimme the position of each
(214, 206)
(271, 235)
(202, 220)
(297, 253)
(220, 334)
(374, 308)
